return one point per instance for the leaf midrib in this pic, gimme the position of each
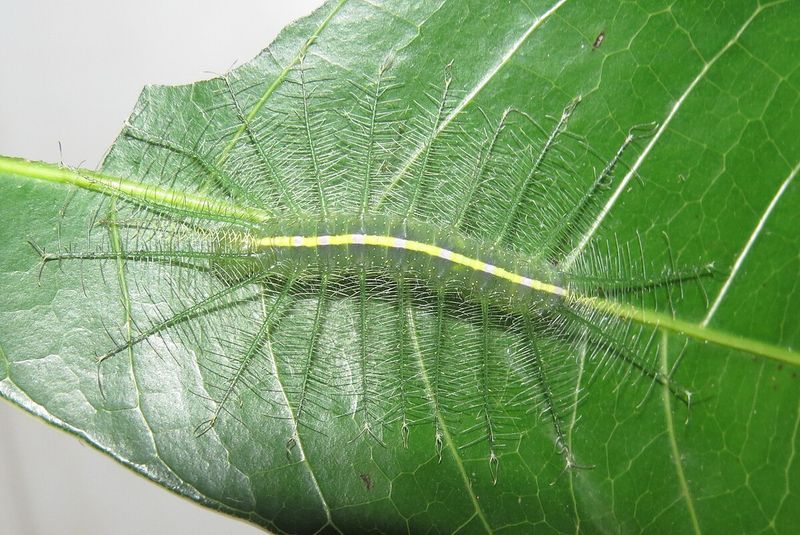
(214, 209)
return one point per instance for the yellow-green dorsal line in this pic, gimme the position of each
(392, 242)
(206, 206)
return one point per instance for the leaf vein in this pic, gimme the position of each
(278, 81)
(469, 97)
(749, 245)
(448, 440)
(623, 185)
(297, 441)
(666, 402)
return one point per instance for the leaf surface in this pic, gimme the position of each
(714, 182)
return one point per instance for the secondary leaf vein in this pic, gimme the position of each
(749, 245)
(622, 186)
(448, 440)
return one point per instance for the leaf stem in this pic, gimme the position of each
(129, 189)
(692, 330)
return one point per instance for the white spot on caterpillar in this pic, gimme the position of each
(489, 268)
(324, 240)
(357, 239)
(297, 241)
(399, 243)
(446, 254)
(526, 281)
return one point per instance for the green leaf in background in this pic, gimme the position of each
(713, 180)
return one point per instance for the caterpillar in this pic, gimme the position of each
(375, 261)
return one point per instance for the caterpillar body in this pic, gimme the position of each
(396, 247)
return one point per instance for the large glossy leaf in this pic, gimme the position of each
(709, 178)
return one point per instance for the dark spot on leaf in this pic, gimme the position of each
(368, 484)
(599, 39)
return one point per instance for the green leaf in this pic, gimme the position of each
(278, 434)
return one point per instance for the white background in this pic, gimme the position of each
(71, 72)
